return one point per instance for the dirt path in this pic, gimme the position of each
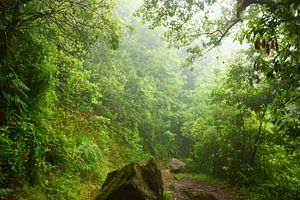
(191, 189)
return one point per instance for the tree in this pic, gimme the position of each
(232, 134)
(38, 39)
(77, 22)
(271, 26)
(32, 32)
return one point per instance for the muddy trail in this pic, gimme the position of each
(188, 188)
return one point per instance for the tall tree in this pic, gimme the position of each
(271, 26)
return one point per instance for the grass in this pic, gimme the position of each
(60, 187)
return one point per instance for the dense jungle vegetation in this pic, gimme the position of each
(90, 85)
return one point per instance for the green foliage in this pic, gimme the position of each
(61, 150)
(5, 191)
(234, 138)
(167, 195)
(93, 165)
(250, 122)
(77, 100)
(140, 86)
(42, 73)
(24, 152)
(65, 186)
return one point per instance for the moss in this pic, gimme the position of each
(133, 182)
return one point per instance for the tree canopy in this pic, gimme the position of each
(272, 27)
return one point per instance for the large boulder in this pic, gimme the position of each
(176, 165)
(133, 182)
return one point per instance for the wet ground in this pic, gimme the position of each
(190, 189)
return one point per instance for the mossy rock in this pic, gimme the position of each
(176, 166)
(134, 182)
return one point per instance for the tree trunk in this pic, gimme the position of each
(10, 30)
(257, 140)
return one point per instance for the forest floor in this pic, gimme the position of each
(188, 188)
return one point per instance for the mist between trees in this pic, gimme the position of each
(88, 86)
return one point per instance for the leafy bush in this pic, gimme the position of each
(5, 191)
(94, 163)
(22, 156)
(61, 150)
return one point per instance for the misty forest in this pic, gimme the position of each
(208, 91)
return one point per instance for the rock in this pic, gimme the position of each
(133, 182)
(176, 165)
(176, 188)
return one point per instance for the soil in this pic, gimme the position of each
(190, 189)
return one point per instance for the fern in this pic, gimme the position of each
(5, 191)
(90, 151)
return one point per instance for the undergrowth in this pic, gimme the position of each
(167, 195)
